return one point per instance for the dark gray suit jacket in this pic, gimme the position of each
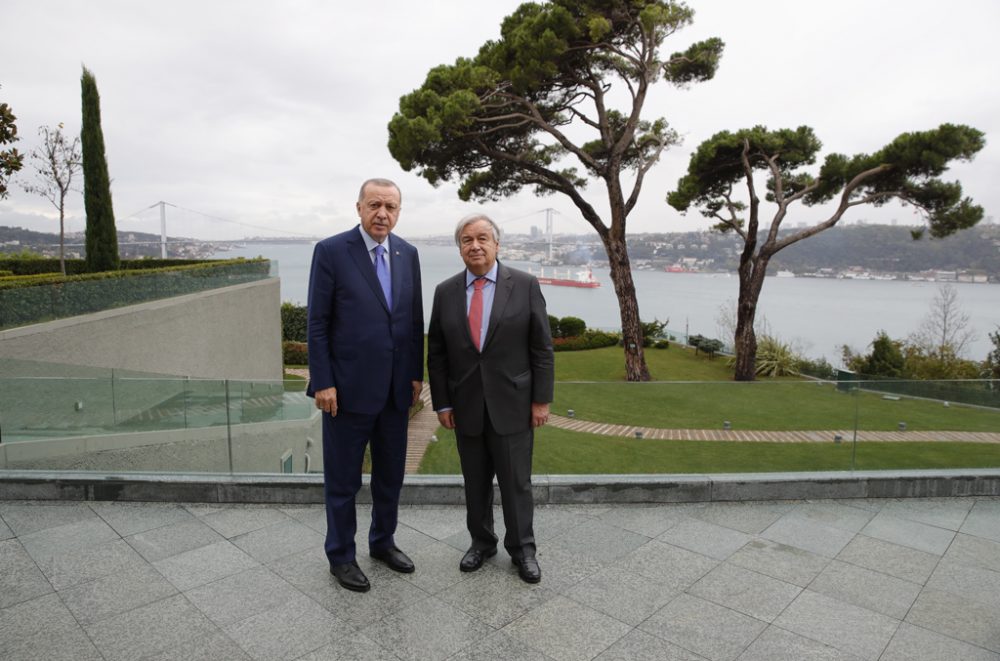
(515, 367)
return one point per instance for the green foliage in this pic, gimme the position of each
(10, 160)
(101, 236)
(775, 358)
(554, 327)
(820, 369)
(906, 169)
(479, 119)
(571, 326)
(588, 339)
(23, 255)
(26, 299)
(661, 344)
(30, 263)
(295, 353)
(991, 366)
(919, 363)
(652, 330)
(294, 319)
(885, 359)
(711, 347)
(4, 273)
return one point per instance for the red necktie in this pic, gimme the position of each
(476, 310)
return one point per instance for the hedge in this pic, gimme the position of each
(590, 339)
(293, 322)
(28, 299)
(295, 353)
(79, 266)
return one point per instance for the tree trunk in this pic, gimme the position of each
(628, 307)
(62, 239)
(751, 280)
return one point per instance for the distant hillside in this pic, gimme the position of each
(892, 249)
(130, 244)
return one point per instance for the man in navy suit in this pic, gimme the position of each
(366, 343)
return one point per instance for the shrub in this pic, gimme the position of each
(661, 344)
(293, 322)
(590, 339)
(695, 341)
(775, 358)
(652, 330)
(295, 353)
(571, 327)
(711, 347)
(554, 326)
(820, 369)
(4, 274)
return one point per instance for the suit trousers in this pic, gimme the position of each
(344, 439)
(509, 458)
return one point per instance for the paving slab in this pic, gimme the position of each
(852, 629)
(866, 588)
(954, 616)
(203, 565)
(786, 563)
(916, 644)
(906, 532)
(705, 538)
(776, 644)
(20, 578)
(173, 539)
(567, 631)
(879, 555)
(745, 591)
(43, 628)
(150, 629)
(131, 518)
(288, 631)
(708, 629)
(428, 631)
(638, 645)
(116, 593)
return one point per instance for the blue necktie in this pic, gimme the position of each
(382, 271)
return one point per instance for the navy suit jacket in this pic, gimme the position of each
(356, 343)
(515, 366)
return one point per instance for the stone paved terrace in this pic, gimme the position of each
(890, 579)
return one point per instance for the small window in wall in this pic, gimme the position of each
(286, 462)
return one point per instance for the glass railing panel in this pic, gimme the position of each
(49, 407)
(905, 424)
(275, 428)
(719, 427)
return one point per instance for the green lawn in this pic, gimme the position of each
(765, 404)
(561, 452)
(695, 392)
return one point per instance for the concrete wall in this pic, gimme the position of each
(229, 333)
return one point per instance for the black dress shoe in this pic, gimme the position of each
(474, 558)
(528, 569)
(394, 558)
(351, 577)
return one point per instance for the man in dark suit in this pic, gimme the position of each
(490, 365)
(366, 341)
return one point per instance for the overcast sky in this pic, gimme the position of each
(270, 114)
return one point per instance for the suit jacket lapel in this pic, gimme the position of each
(504, 286)
(396, 267)
(460, 310)
(367, 269)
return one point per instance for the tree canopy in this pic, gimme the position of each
(907, 169)
(101, 235)
(10, 160)
(509, 117)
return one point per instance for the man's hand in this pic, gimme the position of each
(326, 400)
(418, 387)
(539, 414)
(447, 419)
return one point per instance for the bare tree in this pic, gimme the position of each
(55, 163)
(945, 330)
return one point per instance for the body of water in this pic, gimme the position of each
(817, 315)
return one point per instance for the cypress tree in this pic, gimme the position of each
(102, 237)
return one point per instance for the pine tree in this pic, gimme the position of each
(102, 237)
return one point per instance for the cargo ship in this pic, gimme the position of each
(584, 279)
